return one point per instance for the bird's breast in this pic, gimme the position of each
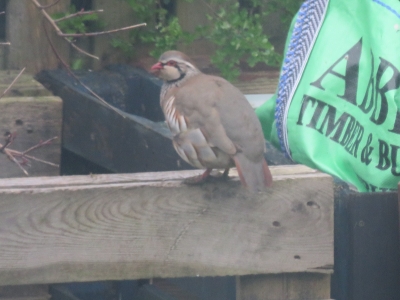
(175, 120)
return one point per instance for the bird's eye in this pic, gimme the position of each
(171, 63)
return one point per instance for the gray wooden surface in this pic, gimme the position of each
(33, 119)
(128, 226)
(25, 31)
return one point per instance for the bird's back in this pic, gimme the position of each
(234, 111)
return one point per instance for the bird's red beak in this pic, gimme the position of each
(158, 66)
(155, 69)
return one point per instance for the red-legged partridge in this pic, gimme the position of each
(213, 125)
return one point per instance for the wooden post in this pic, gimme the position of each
(192, 14)
(367, 247)
(398, 204)
(117, 14)
(34, 115)
(24, 292)
(290, 286)
(149, 225)
(25, 30)
(33, 119)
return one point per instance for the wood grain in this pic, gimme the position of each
(25, 86)
(86, 228)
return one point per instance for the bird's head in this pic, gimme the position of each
(173, 66)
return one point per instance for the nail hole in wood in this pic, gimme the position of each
(7, 133)
(29, 129)
(19, 122)
(276, 223)
(312, 204)
(297, 257)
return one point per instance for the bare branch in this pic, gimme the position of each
(66, 36)
(10, 138)
(7, 152)
(12, 83)
(81, 50)
(104, 102)
(12, 158)
(20, 158)
(40, 144)
(47, 16)
(79, 13)
(102, 32)
(42, 161)
(49, 5)
(22, 155)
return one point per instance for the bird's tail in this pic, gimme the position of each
(253, 175)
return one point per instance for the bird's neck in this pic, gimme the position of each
(178, 82)
(183, 77)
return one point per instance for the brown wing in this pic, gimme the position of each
(197, 101)
(190, 141)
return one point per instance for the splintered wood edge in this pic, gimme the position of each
(161, 179)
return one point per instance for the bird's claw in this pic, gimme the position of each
(207, 176)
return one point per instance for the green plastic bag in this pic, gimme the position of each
(337, 104)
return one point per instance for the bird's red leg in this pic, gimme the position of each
(267, 174)
(239, 169)
(205, 175)
(198, 179)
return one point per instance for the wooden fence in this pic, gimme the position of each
(150, 225)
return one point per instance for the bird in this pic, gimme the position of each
(212, 123)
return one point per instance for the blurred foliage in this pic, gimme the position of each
(78, 24)
(237, 31)
(235, 27)
(286, 9)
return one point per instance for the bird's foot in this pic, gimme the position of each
(198, 179)
(207, 176)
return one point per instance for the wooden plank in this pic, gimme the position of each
(114, 228)
(25, 86)
(261, 82)
(290, 286)
(33, 119)
(134, 179)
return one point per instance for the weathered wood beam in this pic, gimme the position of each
(129, 226)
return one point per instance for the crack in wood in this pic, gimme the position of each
(183, 232)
